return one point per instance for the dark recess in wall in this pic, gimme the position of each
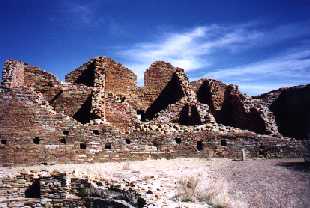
(33, 191)
(292, 113)
(87, 76)
(189, 115)
(170, 94)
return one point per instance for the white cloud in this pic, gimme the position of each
(187, 50)
(287, 69)
(195, 48)
(284, 66)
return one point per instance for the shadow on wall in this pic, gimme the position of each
(204, 95)
(170, 94)
(84, 115)
(233, 114)
(189, 115)
(292, 112)
(87, 76)
(33, 191)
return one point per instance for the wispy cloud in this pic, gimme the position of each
(76, 13)
(85, 15)
(290, 68)
(83, 12)
(186, 49)
(204, 48)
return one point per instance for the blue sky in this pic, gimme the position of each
(260, 45)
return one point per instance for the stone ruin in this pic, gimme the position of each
(61, 189)
(99, 114)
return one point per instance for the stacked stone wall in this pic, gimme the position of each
(156, 77)
(42, 82)
(13, 74)
(94, 117)
(290, 107)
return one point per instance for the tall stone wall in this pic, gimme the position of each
(41, 81)
(156, 77)
(106, 78)
(210, 92)
(232, 108)
(291, 109)
(94, 117)
(120, 114)
(119, 79)
(71, 100)
(13, 74)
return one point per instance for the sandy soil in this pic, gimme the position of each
(259, 183)
(270, 183)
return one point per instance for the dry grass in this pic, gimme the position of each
(126, 166)
(215, 193)
(187, 188)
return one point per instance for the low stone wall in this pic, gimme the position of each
(141, 146)
(56, 189)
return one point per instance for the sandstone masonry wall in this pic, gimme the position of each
(94, 117)
(291, 111)
(13, 74)
(156, 78)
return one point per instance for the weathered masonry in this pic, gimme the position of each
(100, 114)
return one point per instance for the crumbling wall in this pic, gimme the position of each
(210, 92)
(177, 104)
(20, 74)
(156, 78)
(232, 108)
(13, 74)
(119, 79)
(104, 71)
(70, 99)
(61, 189)
(291, 109)
(106, 77)
(84, 74)
(243, 112)
(170, 94)
(120, 114)
(41, 81)
(85, 122)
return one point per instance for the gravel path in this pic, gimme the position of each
(270, 183)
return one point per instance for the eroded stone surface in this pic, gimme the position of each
(100, 114)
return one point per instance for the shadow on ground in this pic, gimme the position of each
(296, 166)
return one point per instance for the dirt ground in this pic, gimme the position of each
(270, 183)
(259, 183)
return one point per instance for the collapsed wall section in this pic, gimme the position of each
(210, 92)
(105, 73)
(156, 78)
(106, 78)
(291, 109)
(20, 74)
(232, 108)
(41, 81)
